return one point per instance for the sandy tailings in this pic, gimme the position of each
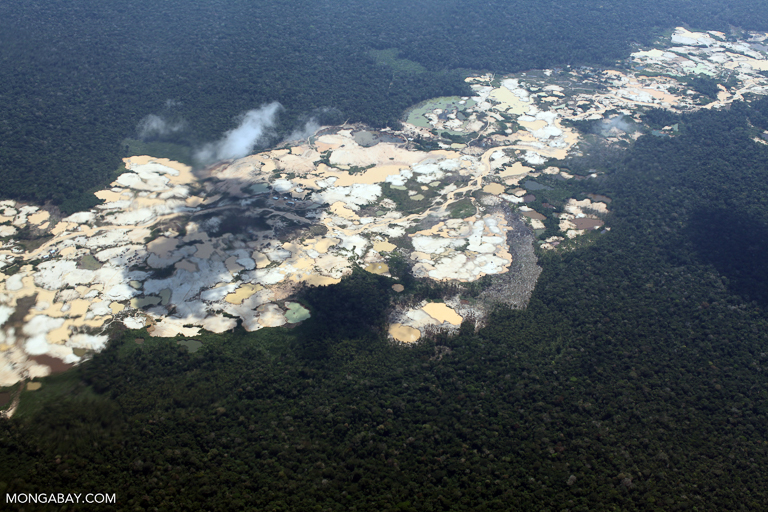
(408, 325)
(177, 251)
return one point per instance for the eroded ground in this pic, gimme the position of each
(178, 251)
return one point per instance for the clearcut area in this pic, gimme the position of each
(454, 194)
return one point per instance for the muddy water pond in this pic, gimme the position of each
(534, 185)
(534, 215)
(599, 198)
(259, 188)
(56, 365)
(88, 262)
(368, 139)
(585, 223)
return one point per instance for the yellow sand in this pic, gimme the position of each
(82, 290)
(39, 217)
(722, 95)
(508, 101)
(301, 263)
(353, 155)
(319, 280)
(373, 175)
(243, 293)
(661, 95)
(28, 288)
(448, 155)
(330, 142)
(261, 260)
(442, 313)
(62, 226)
(148, 202)
(384, 246)
(532, 126)
(269, 166)
(292, 247)
(322, 245)
(59, 336)
(116, 307)
(47, 296)
(404, 333)
(193, 201)
(377, 268)
(340, 209)
(79, 307)
(109, 196)
(300, 164)
(493, 188)
(34, 386)
(515, 169)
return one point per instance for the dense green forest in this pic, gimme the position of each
(78, 76)
(633, 381)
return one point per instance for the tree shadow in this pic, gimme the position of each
(737, 246)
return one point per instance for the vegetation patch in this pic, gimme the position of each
(462, 209)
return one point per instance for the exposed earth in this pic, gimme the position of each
(177, 250)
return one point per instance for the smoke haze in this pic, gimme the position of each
(309, 124)
(615, 122)
(309, 129)
(155, 126)
(254, 128)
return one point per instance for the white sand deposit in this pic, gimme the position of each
(233, 242)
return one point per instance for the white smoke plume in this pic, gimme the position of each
(319, 117)
(617, 122)
(255, 126)
(309, 129)
(154, 125)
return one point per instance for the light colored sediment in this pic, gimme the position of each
(84, 282)
(404, 333)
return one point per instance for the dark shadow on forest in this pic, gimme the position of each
(736, 245)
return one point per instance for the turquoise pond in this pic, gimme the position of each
(296, 312)
(416, 115)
